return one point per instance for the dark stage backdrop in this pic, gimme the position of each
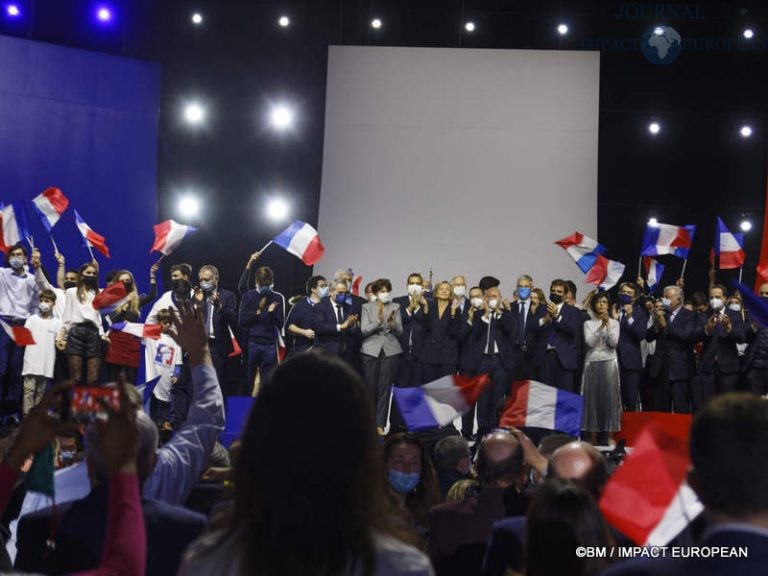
(87, 123)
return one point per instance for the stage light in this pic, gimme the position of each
(749, 33)
(197, 18)
(194, 113)
(281, 117)
(284, 21)
(376, 23)
(104, 14)
(653, 222)
(13, 10)
(277, 209)
(746, 131)
(745, 225)
(562, 29)
(654, 127)
(189, 206)
(469, 26)
(658, 31)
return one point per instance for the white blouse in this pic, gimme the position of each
(76, 312)
(601, 341)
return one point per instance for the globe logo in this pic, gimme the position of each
(661, 45)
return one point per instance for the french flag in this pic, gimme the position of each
(152, 331)
(660, 239)
(236, 350)
(537, 405)
(653, 272)
(582, 249)
(439, 402)
(19, 334)
(148, 388)
(50, 205)
(605, 273)
(729, 247)
(301, 240)
(280, 347)
(356, 283)
(14, 224)
(169, 235)
(647, 498)
(113, 296)
(91, 238)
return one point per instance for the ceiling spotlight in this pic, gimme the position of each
(376, 23)
(469, 26)
(281, 117)
(189, 206)
(13, 10)
(653, 222)
(749, 33)
(194, 113)
(284, 21)
(277, 209)
(745, 225)
(562, 29)
(654, 127)
(658, 31)
(746, 131)
(197, 18)
(104, 14)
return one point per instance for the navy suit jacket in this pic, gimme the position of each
(565, 335)
(630, 337)
(413, 331)
(506, 332)
(441, 336)
(224, 316)
(324, 321)
(83, 526)
(720, 345)
(675, 345)
(262, 326)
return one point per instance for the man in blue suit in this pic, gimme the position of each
(219, 314)
(335, 322)
(633, 323)
(729, 457)
(560, 328)
(528, 317)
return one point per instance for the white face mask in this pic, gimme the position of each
(459, 291)
(415, 289)
(734, 307)
(372, 298)
(666, 303)
(493, 303)
(44, 307)
(383, 297)
(476, 302)
(715, 303)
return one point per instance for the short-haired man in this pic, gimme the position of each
(527, 318)
(453, 461)
(298, 324)
(335, 323)
(633, 324)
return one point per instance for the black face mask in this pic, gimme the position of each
(90, 281)
(555, 298)
(128, 286)
(181, 286)
(69, 284)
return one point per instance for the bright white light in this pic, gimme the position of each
(197, 18)
(13, 11)
(653, 222)
(469, 26)
(284, 21)
(281, 117)
(194, 113)
(745, 225)
(189, 206)
(658, 31)
(562, 29)
(746, 131)
(376, 23)
(749, 33)
(277, 209)
(654, 127)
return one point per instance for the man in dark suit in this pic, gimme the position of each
(469, 357)
(755, 366)
(219, 314)
(525, 339)
(335, 322)
(560, 328)
(729, 458)
(674, 330)
(719, 362)
(633, 324)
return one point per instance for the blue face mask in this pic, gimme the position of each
(341, 298)
(265, 289)
(323, 292)
(402, 482)
(524, 293)
(625, 299)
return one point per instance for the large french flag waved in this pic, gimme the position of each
(729, 247)
(19, 334)
(653, 272)
(90, 237)
(301, 240)
(50, 204)
(110, 298)
(605, 273)
(139, 330)
(660, 239)
(169, 235)
(439, 402)
(14, 224)
(534, 404)
(582, 249)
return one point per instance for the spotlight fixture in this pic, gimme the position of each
(745, 225)
(746, 131)
(281, 117)
(277, 209)
(653, 222)
(469, 26)
(189, 206)
(749, 33)
(13, 10)
(194, 113)
(376, 23)
(562, 29)
(654, 127)
(104, 14)
(284, 21)
(197, 18)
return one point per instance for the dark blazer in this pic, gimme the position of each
(340, 343)
(758, 343)
(413, 331)
(506, 331)
(224, 317)
(300, 315)
(441, 336)
(83, 525)
(565, 335)
(720, 346)
(264, 326)
(675, 345)
(630, 337)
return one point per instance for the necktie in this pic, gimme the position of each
(521, 337)
(490, 347)
(339, 314)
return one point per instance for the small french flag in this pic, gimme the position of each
(301, 240)
(19, 334)
(169, 235)
(152, 331)
(236, 350)
(50, 204)
(280, 347)
(356, 283)
(653, 272)
(91, 238)
(729, 247)
(110, 298)
(605, 273)
(582, 249)
(660, 239)
(14, 224)
(148, 388)
(537, 405)
(439, 402)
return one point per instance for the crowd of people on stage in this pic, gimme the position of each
(325, 478)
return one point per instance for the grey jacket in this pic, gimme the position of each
(378, 336)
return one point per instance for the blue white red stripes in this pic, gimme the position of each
(14, 225)
(169, 235)
(50, 204)
(729, 247)
(90, 237)
(660, 239)
(302, 240)
(653, 272)
(534, 404)
(19, 334)
(589, 256)
(139, 330)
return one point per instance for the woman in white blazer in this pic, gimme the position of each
(380, 325)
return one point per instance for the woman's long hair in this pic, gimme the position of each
(308, 482)
(82, 289)
(135, 302)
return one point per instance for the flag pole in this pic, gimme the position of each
(682, 272)
(31, 241)
(55, 248)
(740, 271)
(93, 258)
(265, 246)
(640, 266)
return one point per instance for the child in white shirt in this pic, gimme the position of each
(162, 357)
(39, 358)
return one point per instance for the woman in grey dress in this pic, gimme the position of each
(600, 380)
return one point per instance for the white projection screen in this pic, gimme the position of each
(465, 161)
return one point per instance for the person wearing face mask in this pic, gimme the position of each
(633, 324)
(443, 331)
(262, 316)
(82, 330)
(380, 327)
(219, 307)
(39, 358)
(672, 366)
(335, 323)
(301, 336)
(469, 358)
(181, 290)
(719, 362)
(528, 315)
(459, 289)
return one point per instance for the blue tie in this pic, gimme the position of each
(490, 347)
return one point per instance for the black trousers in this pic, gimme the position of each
(756, 381)
(716, 382)
(490, 400)
(408, 376)
(555, 375)
(630, 388)
(672, 395)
